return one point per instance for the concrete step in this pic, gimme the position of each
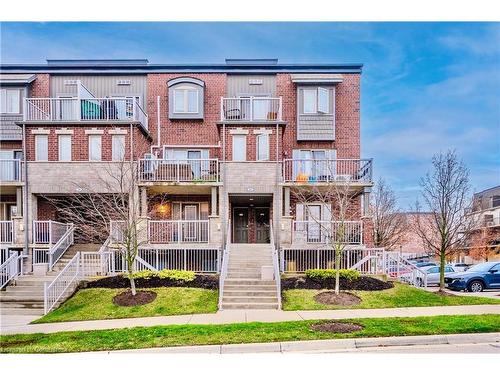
(14, 297)
(249, 293)
(22, 293)
(33, 282)
(249, 287)
(26, 288)
(250, 299)
(23, 305)
(249, 306)
(21, 311)
(247, 281)
(243, 274)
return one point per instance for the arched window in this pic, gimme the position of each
(185, 98)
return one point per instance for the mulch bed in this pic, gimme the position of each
(201, 281)
(362, 283)
(341, 299)
(336, 327)
(445, 294)
(141, 297)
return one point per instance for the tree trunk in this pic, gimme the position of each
(441, 270)
(337, 271)
(132, 284)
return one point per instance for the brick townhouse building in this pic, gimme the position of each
(219, 149)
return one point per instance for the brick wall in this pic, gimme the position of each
(11, 145)
(166, 199)
(40, 87)
(251, 138)
(45, 210)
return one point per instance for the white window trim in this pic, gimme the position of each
(59, 148)
(268, 153)
(90, 148)
(37, 151)
(240, 136)
(315, 110)
(113, 150)
(3, 97)
(186, 101)
(327, 93)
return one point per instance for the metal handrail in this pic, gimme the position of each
(276, 266)
(225, 263)
(9, 269)
(68, 236)
(54, 290)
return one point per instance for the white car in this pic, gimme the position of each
(433, 273)
(459, 267)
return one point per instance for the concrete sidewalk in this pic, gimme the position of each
(414, 344)
(12, 325)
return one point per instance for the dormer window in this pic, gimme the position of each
(316, 100)
(185, 98)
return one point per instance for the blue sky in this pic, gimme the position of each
(426, 87)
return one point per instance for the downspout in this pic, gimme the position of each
(225, 217)
(158, 125)
(278, 193)
(25, 193)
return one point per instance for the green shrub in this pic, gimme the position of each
(346, 274)
(177, 275)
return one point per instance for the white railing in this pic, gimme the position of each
(298, 260)
(398, 267)
(63, 284)
(58, 250)
(327, 170)
(48, 232)
(178, 231)
(320, 231)
(10, 170)
(10, 269)
(258, 109)
(116, 229)
(89, 109)
(276, 266)
(177, 170)
(6, 231)
(224, 266)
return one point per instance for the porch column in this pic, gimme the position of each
(287, 201)
(19, 201)
(144, 202)
(366, 201)
(214, 201)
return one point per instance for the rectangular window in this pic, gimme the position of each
(263, 147)
(10, 101)
(65, 147)
(41, 147)
(239, 147)
(95, 149)
(185, 100)
(323, 100)
(117, 147)
(310, 100)
(495, 201)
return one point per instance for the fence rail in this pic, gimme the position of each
(10, 269)
(48, 232)
(320, 231)
(11, 170)
(64, 283)
(327, 170)
(88, 109)
(258, 109)
(6, 231)
(178, 231)
(276, 266)
(58, 250)
(179, 170)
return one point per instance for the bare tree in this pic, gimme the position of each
(390, 225)
(446, 193)
(483, 243)
(111, 196)
(339, 199)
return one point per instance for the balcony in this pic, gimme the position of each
(6, 232)
(179, 170)
(253, 109)
(320, 232)
(84, 110)
(178, 231)
(327, 171)
(10, 170)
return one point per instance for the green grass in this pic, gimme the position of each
(97, 303)
(400, 296)
(178, 335)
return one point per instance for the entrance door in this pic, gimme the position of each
(262, 234)
(190, 212)
(313, 215)
(240, 225)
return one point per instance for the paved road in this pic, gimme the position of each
(487, 348)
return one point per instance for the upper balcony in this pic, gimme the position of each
(11, 171)
(179, 170)
(251, 109)
(307, 171)
(97, 110)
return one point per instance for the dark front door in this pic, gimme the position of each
(262, 225)
(240, 225)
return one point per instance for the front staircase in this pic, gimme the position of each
(243, 286)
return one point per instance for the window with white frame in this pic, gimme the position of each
(41, 147)
(316, 100)
(95, 148)
(10, 101)
(239, 147)
(262, 147)
(64, 147)
(185, 100)
(117, 147)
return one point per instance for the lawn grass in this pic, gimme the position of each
(97, 303)
(178, 335)
(401, 295)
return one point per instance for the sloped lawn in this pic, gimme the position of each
(401, 295)
(97, 303)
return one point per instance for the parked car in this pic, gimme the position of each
(433, 274)
(459, 267)
(425, 264)
(477, 278)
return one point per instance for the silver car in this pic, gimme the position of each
(433, 273)
(459, 267)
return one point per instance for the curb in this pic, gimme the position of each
(318, 345)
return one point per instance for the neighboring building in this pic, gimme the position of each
(220, 147)
(412, 243)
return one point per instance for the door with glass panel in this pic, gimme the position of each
(313, 217)
(195, 163)
(7, 165)
(190, 226)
